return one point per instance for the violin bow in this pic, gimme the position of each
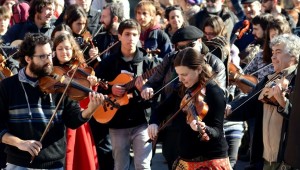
(88, 61)
(273, 78)
(164, 125)
(55, 111)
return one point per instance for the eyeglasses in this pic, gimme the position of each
(265, 1)
(190, 44)
(44, 56)
(212, 1)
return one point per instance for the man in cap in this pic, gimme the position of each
(188, 36)
(252, 8)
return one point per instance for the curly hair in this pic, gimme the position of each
(291, 44)
(27, 47)
(36, 6)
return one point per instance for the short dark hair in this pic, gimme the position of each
(263, 20)
(27, 47)
(129, 24)
(116, 9)
(37, 6)
(172, 8)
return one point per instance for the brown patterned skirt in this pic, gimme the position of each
(213, 164)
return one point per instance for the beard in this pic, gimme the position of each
(40, 71)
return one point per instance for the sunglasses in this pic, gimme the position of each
(190, 44)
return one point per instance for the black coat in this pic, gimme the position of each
(292, 154)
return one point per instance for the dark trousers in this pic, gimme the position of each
(170, 143)
(103, 144)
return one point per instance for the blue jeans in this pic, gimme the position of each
(123, 139)
(16, 167)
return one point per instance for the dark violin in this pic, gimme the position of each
(195, 107)
(4, 71)
(82, 72)
(245, 82)
(56, 83)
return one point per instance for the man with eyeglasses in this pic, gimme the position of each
(26, 110)
(189, 36)
(214, 7)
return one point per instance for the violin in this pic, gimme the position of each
(267, 95)
(82, 72)
(56, 83)
(245, 82)
(196, 109)
(4, 71)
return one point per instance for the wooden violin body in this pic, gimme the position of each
(267, 95)
(79, 89)
(4, 71)
(245, 82)
(196, 109)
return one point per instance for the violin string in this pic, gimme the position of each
(273, 78)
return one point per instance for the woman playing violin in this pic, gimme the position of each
(202, 143)
(67, 54)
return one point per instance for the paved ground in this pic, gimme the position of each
(160, 164)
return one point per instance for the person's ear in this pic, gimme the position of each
(28, 59)
(199, 69)
(115, 19)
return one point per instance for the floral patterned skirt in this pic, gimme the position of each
(213, 164)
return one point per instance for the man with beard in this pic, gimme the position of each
(111, 17)
(39, 21)
(272, 7)
(26, 110)
(258, 64)
(214, 7)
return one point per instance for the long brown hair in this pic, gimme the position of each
(76, 52)
(192, 59)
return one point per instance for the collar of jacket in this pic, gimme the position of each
(22, 78)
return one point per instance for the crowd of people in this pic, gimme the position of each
(83, 83)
